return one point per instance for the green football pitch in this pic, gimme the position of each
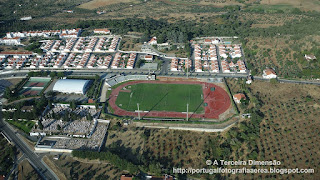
(161, 97)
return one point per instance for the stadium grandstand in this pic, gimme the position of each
(69, 86)
(119, 79)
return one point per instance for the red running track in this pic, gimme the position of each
(218, 101)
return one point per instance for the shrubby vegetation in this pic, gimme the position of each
(95, 88)
(38, 107)
(8, 153)
(108, 156)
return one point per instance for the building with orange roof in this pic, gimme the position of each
(269, 73)
(102, 31)
(126, 177)
(153, 41)
(238, 97)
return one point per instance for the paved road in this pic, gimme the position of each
(44, 171)
(23, 73)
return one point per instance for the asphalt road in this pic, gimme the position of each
(164, 72)
(43, 170)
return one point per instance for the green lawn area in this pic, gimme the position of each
(25, 126)
(162, 97)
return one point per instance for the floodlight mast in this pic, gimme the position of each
(187, 68)
(138, 111)
(187, 112)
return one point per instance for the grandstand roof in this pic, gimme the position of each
(77, 86)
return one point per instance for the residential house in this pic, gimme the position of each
(102, 31)
(269, 73)
(238, 97)
(153, 41)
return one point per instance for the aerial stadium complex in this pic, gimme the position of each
(169, 98)
(69, 86)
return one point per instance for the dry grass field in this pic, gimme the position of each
(94, 4)
(26, 171)
(169, 147)
(308, 5)
(266, 20)
(289, 131)
(132, 44)
(74, 169)
(283, 53)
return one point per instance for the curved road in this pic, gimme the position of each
(43, 170)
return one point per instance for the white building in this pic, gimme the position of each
(26, 18)
(10, 41)
(102, 31)
(153, 41)
(76, 86)
(174, 64)
(269, 74)
(310, 57)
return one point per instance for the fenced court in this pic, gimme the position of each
(34, 86)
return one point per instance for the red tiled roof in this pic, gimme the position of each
(239, 96)
(270, 71)
(16, 53)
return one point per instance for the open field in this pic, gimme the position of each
(302, 4)
(289, 131)
(268, 4)
(54, 168)
(26, 171)
(285, 54)
(73, 169)
(130, 44)
(94, 4)
(170, 148)
(161, 97)
(25, 126)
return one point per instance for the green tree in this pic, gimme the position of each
(144, 38)
(60, 74)
(53, 74)
(73, 104)
(31, 74)
(155, 168)
(8, 94)
(40, 124)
